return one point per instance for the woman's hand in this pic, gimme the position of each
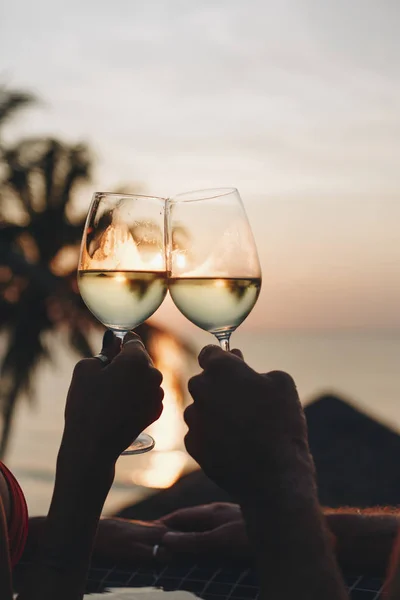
(212, 530)
(108, 405)
(120, 541)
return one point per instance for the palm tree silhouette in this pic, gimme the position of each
(11, 102)
(39, 247)
(37, 290)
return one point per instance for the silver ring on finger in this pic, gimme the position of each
(103, 358)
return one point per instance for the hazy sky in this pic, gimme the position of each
(295, 102)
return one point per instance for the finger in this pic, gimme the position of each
(281, 379)
(111, 345)
(133, 353)
(132, 338)
(156, 377)
(194, 445)
(189, 415)
(237, 353)
(145, 552)
(199, 387)
(154, 409)
(87, 367)
(190, 446)
(194, 431)
(191, 542)
(214, 359)
(208, 353)
(132, 553)
(157, 408)
(196, 518)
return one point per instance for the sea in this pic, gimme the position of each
(361, 367)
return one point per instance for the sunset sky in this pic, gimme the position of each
(294, 102)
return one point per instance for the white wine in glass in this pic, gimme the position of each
(122, 273)
(214, 271)
(122, 300)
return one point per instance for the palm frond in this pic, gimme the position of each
(12, 101)
(79, 342)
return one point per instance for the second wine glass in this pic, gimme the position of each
(122, 274)
(215, 274)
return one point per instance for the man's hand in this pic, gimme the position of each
(226, 542)
(109, 405)
(213, 530)
(249, 434)
(245, 427)
(203, 518)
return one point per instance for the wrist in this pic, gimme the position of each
(85, 471)
(289, 484)
(82, 453)
(288, 515)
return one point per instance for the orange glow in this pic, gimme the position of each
(117, 251)
(120, 278)
(168, 358)
(180, 260)
(158, 262)
(162, 469)
(168, 461)
(220, 283)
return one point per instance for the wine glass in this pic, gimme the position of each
(214, 271)
(122, 274)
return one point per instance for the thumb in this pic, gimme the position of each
(196, 518)
(133, 346)
(238, 353)
(193, 542)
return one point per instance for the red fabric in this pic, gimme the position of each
(18, 522)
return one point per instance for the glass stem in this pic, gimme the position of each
(224, 342)
(120, 335)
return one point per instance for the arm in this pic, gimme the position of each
(81, 487)
(270, 472)
(117, 541)
(289, 536)
(392, 583)
(364, 538)
(107, 407)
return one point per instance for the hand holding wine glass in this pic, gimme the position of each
(260, 416)
(109, 404)
(122, 274)
(215, 274)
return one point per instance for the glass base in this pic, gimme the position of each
(143, 443)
